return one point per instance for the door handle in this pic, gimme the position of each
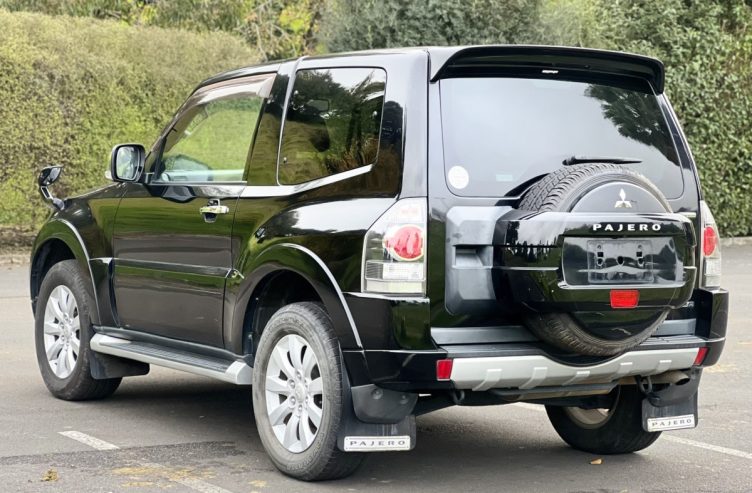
(214, 209)
(211, 210)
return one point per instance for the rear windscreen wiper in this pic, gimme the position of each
(591, 159)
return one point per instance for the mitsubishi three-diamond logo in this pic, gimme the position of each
(623, 203)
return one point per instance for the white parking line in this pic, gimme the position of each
(708, 446)
(671, 438)
(89, 440)
(193, 483)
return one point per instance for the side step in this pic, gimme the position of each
(237, 372)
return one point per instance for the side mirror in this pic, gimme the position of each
(47, 177)
(127, 162)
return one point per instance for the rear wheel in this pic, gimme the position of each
(299, 395)
(62, 333)
(613, 430)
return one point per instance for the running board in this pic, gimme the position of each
(237, 372)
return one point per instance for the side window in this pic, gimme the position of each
(332, 124)
(211, 140)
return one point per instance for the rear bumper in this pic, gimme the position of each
(528, 365)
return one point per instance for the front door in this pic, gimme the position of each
(172, 242)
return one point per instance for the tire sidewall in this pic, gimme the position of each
(293, 321)
(621, 433)
(66, 273)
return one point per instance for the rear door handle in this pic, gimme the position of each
(211, 210)
(214, 209)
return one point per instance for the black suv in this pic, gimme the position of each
(368, 237)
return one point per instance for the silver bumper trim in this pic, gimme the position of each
(528, 372)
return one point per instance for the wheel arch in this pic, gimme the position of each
(57, 241)
(283, 274)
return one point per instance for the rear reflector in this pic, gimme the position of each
(443, 369)
(624, 298)
(701, 353)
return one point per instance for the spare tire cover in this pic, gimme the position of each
(593, 188)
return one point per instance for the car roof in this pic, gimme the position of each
(448, 61)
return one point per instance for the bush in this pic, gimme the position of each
(70, 88)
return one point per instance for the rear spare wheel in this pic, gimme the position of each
(597, 258)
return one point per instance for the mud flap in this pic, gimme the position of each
(358, 436)
(672, 408)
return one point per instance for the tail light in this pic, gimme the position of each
(711, 248)
(394, 250)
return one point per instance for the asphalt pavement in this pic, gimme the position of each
(171, 431)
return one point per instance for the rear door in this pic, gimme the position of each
(172, 240)
(497, 126)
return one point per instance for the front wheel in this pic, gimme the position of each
(62, 333)
(300, 394)
(613, 430)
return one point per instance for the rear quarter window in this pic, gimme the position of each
(332, 123)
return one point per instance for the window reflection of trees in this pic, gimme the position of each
(636, 116)
(333, 123)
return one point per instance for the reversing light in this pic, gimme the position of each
(701, 353)
(624, 298)
(443, 369)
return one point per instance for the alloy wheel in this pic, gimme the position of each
(62, 331)
(294, 393)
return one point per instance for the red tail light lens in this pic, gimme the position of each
(710, 240)
(444, 369)
(701, 353)
(405, 242)
(624, 298)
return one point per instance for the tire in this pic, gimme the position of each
(559, 192)
(619, 432)
(305, 330)
(66, 278)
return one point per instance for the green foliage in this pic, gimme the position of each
(389, 23)
(276, 28)
(73, 87)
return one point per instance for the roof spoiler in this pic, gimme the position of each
(450, 62)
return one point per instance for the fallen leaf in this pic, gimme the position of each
(50, 475)
(597, 462)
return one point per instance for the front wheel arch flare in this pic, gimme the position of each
(55, 243)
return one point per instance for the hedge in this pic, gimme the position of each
(71, 87)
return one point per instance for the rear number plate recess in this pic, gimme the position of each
(620, 262)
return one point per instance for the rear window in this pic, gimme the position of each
(499, 133)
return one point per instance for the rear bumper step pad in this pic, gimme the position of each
(528, 372)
